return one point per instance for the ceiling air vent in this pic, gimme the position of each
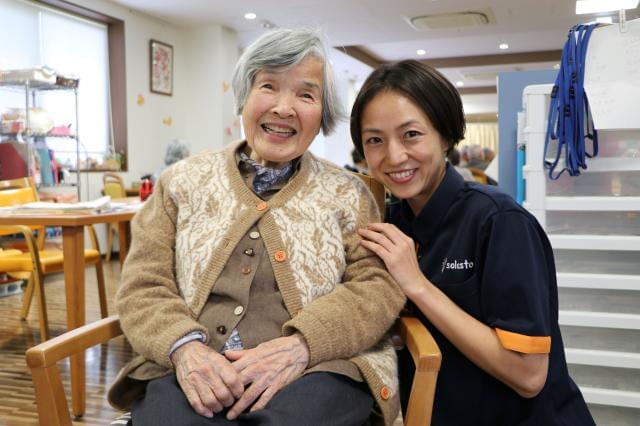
(444, 21)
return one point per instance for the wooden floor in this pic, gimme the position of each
(17, 400)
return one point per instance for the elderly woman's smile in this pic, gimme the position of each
(279, 130)
(283, 112)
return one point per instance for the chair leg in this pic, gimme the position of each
(38, 281)
(110, 232)
(102, 294)
(27, 297)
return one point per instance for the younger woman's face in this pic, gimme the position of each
(403, 149)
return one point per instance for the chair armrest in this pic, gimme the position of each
(427, 358)
(72, 342)
(423, 348)
(42, 360)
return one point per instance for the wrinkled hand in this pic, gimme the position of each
(268, 367)
(206, 377)
(397, 251)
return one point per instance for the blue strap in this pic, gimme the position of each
(569, 118)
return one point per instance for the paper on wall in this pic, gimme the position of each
(612, 76)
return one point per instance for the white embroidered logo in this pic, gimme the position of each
(465, 264)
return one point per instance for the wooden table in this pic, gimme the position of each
(74, 269)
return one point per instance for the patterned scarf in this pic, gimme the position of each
(267, 177)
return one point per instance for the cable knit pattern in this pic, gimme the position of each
(338, 294)
(315, 243)
(202, 220)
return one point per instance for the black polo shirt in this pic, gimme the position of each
(492, 258)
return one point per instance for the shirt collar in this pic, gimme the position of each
(248, 172)
(242, 165)
(423, 226)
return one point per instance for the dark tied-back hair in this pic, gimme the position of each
(425, 87)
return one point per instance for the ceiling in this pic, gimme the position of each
(376, 31)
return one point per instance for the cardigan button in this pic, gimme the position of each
(385, 393)
(221, 329)
(249, 252)
(262, 206)
(280, 256)
(238, 310)
(246, 270)
(254, 235)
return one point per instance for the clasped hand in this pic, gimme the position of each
(212, 381)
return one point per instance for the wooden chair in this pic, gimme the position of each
(113, 186)
(20, 191)
(478, 175)
(36, 262)
(52, 404)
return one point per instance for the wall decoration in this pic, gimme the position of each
(167, 121)
(140, 100)
(161, 65)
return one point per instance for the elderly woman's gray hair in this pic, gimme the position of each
(285, 48)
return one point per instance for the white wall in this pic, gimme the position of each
(211, 54)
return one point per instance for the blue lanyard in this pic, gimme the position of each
(569, 117)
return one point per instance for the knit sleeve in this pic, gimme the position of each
(358, 313)
(153, 315)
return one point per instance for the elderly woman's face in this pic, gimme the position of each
(282, 114)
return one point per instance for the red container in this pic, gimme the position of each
(146, 189)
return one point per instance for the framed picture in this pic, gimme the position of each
(161, 65)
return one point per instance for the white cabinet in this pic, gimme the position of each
(593, 223)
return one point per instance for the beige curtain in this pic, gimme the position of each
(483, 134)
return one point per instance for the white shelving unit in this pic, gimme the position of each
(593, 223)
(30, 88)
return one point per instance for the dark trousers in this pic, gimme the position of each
(315, 399)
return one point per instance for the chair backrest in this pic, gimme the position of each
(478, 175)
(17, 191)
(14, 192)
(113, 185)
(376, 188)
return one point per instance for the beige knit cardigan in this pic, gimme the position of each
(338, 294)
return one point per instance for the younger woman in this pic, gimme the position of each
(477, 268)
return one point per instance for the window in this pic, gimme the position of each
(71, 45)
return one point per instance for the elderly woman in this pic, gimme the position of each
(246, 292)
